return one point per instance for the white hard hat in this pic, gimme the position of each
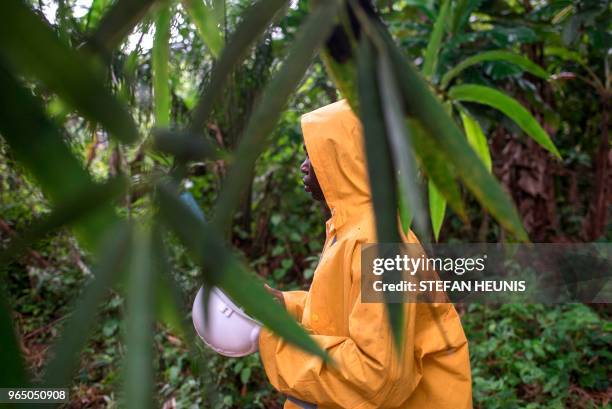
(223, 326)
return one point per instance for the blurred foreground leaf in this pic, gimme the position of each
(40, 147)
(222, 269)
(117, 23)
(140, 307)
(380, 170)
(110, 265)
(400, 143)
(13, 373)
(31, 47)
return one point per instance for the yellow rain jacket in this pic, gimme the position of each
(431, 374)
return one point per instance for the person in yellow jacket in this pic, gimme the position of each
(434, 370)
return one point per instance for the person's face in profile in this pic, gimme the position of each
(311, 184)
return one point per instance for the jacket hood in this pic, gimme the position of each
(334, 139)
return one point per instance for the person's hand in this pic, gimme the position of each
(276, 294)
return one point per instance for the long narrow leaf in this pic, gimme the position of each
(266, 114)
(437, 208)
(140, 306)
(40, 147)
(476, 138)
(426, 108)
(30, 47)
(380, 169)
(435, 41)
(13, 372)
(160, 60)
(436, 164)
(496, 55)
(222, 269)
(66, 350)
(186, 147)
(509, 106)
(117, 23)
(400, 142)
(206, 23)
(256, 19)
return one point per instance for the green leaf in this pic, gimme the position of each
(206, 23)
(160, 64)
(13, 372)
(437, 208)
(140, 306)
(436, 165)
(222, 269)
(254, 22)
(110, 264)
(400, 143)
(186, 147)
(476, 138)
(39, 146)
(435, 41)
(404, 211)
(380, 169)
(509, 106)
(116, 24)
(427, 109)
(30, 47)
(496, 55)
(261, 123)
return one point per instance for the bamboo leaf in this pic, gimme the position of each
(437, 166)
(206, 23)
(509, 106)
(495, 55)
(380, 170)
(117, 23)
(404, 211)
(435, 41)
(400, 143)
(111, 262)
(437, 208)
(222, 269)
(255, 20)
(40, 147)
(160, 65)
(13, 372)
(186, 147)
(430, 113)
(261, 123)
(29, 46)
(140, 306)
(476, 138)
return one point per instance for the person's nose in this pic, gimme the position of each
(304, 166)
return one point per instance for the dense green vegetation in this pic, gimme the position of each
(144, 97)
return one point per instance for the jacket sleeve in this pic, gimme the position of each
(366, 367)
(294, 302)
